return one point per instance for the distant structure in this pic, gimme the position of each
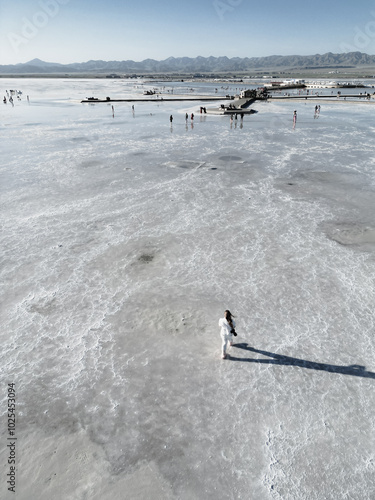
(248, 94)
(286, 84)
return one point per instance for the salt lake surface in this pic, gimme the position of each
(123, 241)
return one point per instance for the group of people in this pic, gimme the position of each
(316, 114)
(186, 117)
(10, 94)
(232, 116)
(236, 116)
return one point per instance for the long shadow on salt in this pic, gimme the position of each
(279, 359)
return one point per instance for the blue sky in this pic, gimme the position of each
(68, 31)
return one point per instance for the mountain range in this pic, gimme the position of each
(204, 65)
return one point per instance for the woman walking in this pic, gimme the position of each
(227, 325)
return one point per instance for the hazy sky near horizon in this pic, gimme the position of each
(67, 31)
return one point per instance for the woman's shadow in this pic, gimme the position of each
(279, 359)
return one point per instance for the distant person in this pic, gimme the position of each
(294, 118)
(171, 119)
(192, 116)
(186, 117)
(227, 325)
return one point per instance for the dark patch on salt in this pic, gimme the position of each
(146, 258)
(80, 139)
(90, 163)
(230, 158)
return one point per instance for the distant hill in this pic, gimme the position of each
(204, 65)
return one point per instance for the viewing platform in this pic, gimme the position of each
(240, 104)
(237, 106)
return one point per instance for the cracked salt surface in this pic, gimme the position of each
(124, 240)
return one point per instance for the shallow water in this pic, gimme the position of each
(124, 239)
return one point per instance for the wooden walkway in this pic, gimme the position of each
(334, 97)
(161, 99)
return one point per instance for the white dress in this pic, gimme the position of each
(225, 334)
